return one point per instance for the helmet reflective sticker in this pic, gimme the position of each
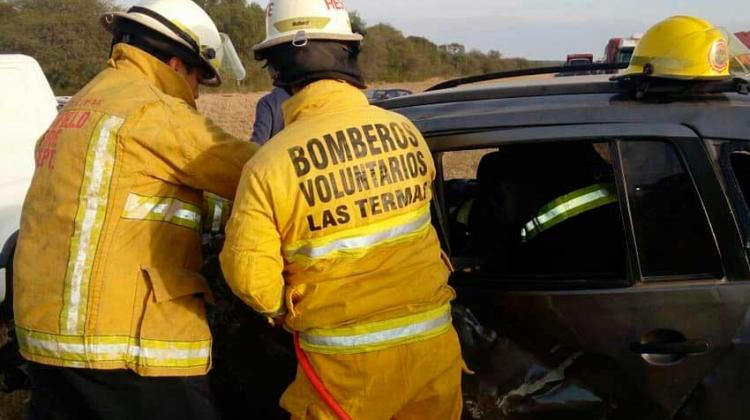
(302, 23)
(718, 56)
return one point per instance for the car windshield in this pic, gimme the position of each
(579, 62)
(381, 94)
(624, 55)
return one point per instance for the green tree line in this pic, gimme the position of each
(67, 40)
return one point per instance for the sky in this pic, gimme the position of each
(537, 29)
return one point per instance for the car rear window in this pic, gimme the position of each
(672, 232)
(741, 167)
(734, 159)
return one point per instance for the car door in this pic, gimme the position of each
(632, 343)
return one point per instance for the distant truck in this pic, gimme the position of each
(576, 60)
(741, 62)
(579, 59)
(744, 37)
(620, 50)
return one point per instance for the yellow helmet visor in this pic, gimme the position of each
(739, 57)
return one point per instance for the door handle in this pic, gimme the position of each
(680, 348)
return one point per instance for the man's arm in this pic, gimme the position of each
(263, 126)
(251, 259)
(217, 157)
(191, 150)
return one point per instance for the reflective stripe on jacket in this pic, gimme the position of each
(106, 267)
(332, 218)
(217, 211)
(568, 206)
(378, 335)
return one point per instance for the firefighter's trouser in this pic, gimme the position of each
(60, 393)
(420, 380)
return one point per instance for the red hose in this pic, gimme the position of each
(316, 382)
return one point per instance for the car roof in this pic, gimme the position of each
(569, 100)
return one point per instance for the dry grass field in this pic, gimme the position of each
(235, 112)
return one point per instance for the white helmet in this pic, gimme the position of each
(188, 24)
(297, 21)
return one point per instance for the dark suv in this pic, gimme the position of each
(599, 232)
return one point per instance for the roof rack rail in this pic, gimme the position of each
(525, 72)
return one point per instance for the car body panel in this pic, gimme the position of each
(723, 116)
(605, 323)
(598, 372)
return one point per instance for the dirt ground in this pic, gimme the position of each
(12, 406)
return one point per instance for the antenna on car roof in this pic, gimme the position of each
(603, 67)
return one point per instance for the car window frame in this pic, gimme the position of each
(708, 179)
(688, 145)
(741, 204)
(678, 149)
(721, 151)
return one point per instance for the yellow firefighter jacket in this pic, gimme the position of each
(106, 266)
(332, 223)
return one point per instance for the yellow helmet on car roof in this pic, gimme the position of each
(682, 47)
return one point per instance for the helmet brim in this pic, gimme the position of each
(269, 43)
(642, 75)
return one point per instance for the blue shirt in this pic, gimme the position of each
(269, 119)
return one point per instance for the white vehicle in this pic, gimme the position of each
(27, 108)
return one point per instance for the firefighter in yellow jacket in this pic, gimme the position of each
(331, 234)
(107, 289)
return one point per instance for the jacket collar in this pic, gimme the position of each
(322, 97)
(131, 59)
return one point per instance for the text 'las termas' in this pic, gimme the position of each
(356, 160)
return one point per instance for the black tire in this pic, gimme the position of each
(6, 307)
(12, 376)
